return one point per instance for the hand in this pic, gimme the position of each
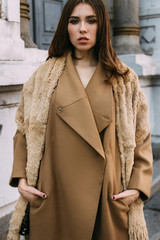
(128, 196)
(29, 192)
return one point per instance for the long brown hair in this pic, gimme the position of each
(104, 51)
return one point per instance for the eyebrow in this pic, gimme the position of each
(91, 16)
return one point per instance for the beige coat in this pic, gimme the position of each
(94, 143)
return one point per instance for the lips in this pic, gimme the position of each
(83, 39)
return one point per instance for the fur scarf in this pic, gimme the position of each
(132, 127)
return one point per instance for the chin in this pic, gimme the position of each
(84, 48)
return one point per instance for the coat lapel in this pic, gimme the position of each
(100, 95)
(73, 106)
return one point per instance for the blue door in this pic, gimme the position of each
(45, 15)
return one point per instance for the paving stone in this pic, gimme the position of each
(155, 236)
(153, 222)
(153, 203)
(156, 178)
(3, 236)
(4, 224)
(152, 216)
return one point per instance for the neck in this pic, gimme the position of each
(85, 58)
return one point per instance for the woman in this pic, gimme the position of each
(84, 122)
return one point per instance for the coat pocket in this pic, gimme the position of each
(119, 211)
(124, 204)
(36, 202)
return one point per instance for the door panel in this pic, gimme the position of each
(46, 14)
(51, 9)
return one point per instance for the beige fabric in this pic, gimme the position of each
(131, 118)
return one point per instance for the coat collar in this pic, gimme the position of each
(74, 104)
(100, 96)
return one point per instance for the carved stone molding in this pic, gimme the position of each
(148, 39)
(127, 30)
(24, 9)
(148, 34)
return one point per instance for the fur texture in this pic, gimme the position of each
(132, 126)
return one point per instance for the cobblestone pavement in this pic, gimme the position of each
(4, 223)
(152, 216)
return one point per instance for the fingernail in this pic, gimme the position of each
(113, 197)
(44, 196)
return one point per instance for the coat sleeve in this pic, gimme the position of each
(20, 159)
(141, 176)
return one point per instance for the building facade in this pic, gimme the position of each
(136, 38)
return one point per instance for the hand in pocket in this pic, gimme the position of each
(29, 192)
(128, 196)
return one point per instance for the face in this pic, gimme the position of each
(82, 27)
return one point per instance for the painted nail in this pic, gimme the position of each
(44, 196)
(113, 197)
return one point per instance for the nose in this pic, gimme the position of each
(83, 28)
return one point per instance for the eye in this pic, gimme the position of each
(73, 21)
(92, 21)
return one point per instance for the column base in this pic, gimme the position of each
(127, 44)
(28, 41)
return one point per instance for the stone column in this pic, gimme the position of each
(25, 27)
(126, 27)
